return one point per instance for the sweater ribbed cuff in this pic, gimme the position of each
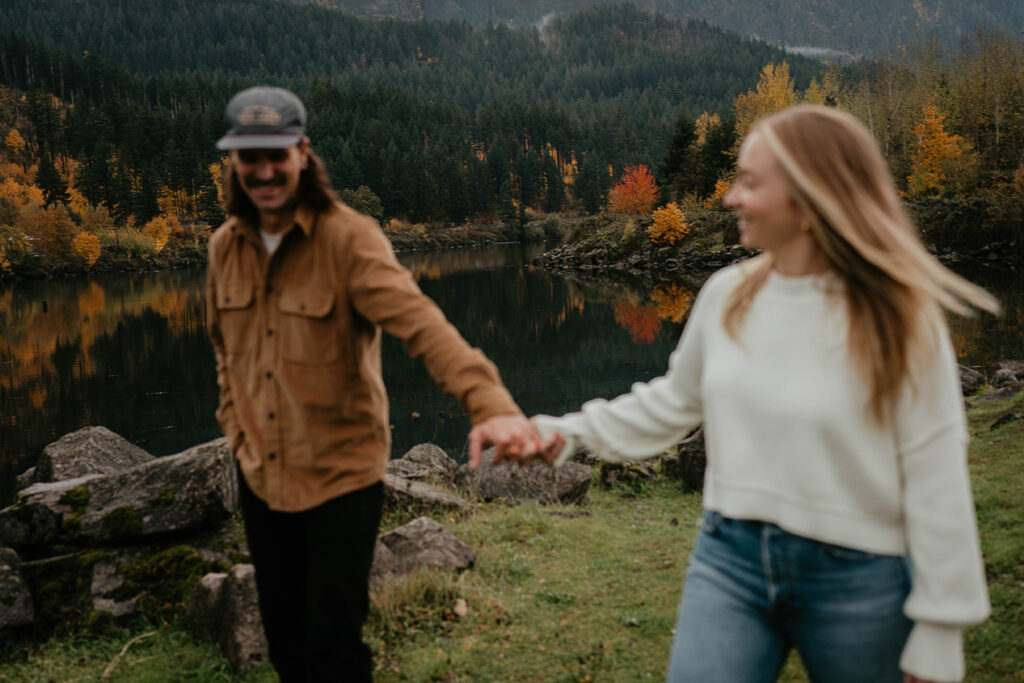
(934, 652)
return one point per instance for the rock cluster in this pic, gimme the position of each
(102, 530)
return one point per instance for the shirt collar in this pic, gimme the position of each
(305, 218)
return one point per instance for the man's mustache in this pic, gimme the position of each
(276, 180)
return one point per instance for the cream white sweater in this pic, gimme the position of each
(790, 441)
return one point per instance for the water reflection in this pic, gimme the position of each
(131, 352)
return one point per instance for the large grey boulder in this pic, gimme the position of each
(89, 450)
(399, 492)
(970, 380)
(224, 607)
(192, 491)
(566, 484)
(16, 607)
(1016, 367)
(424, 462)
(420, 543)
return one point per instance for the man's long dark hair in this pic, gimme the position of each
(314, 191)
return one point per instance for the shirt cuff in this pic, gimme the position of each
(547, 426)
(934, 652)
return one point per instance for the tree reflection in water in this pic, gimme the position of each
(131, 352)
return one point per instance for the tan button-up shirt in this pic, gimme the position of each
(297, 341)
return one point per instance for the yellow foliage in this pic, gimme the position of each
(722, 187)
(673, 300)
(933, 147)
(159, 230)
(14, 142)
(22, 195)
(217, 173)
(1018, 180)
(87, 245)
(774, 92)
(669, 225)
(25, 176)
(815, 94)
(77, 201)
(703, 124)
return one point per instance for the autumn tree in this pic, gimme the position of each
(774, 92)
(635, 192)
(15, 145)
(87, 246)
(933, 148)
(714, 200)
(669, 226)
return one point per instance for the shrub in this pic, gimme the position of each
(669, 226)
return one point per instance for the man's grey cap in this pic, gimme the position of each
(264, 117)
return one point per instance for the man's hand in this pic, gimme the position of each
(513, 437)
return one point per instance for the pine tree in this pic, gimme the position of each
(49, 180)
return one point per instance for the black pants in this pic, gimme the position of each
(312, 575)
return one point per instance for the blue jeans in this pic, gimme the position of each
(754, 591)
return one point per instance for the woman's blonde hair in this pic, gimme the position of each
(894, 288)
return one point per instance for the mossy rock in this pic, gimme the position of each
(164, 580)
(123, 523)
(61, 590)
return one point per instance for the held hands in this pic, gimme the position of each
(514, 438)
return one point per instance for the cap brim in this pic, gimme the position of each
(265, 141)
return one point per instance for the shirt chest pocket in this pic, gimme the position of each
(309, 326)
(236, 317)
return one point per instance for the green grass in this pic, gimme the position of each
(570, 593)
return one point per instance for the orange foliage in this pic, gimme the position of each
(642, 322)
(669, 225)
(161, 228)
(17, 173)
(722, 187)
(673, 300)
(635, 192)
(933, 146)
(1018, 180)
(51, 230)
(216, 170)
(87, 245)
(22, 195)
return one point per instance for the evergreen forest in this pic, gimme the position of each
(109, 111)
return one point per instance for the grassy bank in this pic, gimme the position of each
(571, 593)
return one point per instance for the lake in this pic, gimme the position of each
(131, 353)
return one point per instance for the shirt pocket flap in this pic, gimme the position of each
(308, 303)
(234, 296)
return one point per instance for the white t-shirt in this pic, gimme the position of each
(790, 441)
(271, 240)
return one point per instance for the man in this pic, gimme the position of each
(299, 288)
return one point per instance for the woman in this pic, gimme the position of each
(838, 515)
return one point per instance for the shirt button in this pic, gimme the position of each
(270, 333)
(271, 456)
(269, 374)
(270, 290)
(270, 416)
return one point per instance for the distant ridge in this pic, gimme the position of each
(858, 27)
